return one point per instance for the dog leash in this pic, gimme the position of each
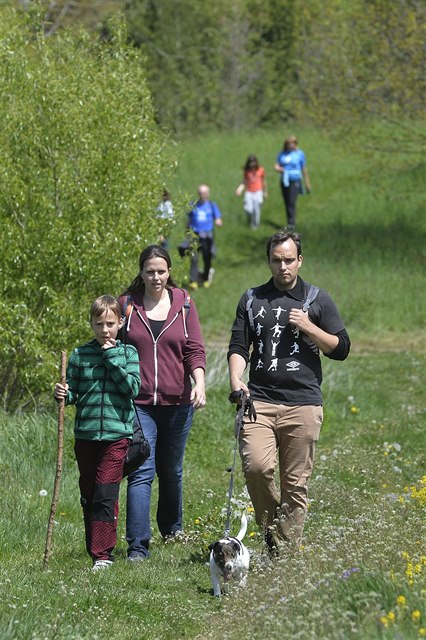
(245, 407)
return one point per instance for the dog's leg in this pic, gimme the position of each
(215, 578)
(216, 586)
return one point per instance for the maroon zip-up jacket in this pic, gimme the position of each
(167, 362)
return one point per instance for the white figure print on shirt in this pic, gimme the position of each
(278, 310)
(259, 328)
(274, 347)
(294, 348)
(296, 332)
(277, 328)
(259, 364)
(274, 364)
(261, 313)
(260, 346)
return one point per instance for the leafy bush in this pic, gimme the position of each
(80, 176)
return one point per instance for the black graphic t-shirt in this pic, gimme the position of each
(285, 365)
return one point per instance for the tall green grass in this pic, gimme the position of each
(363, 229)
(362, 571)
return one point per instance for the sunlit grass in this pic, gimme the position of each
(361, 572)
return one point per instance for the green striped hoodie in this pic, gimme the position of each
(102, 383)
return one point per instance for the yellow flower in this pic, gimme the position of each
(401, 600)
(391, 616)
(354, 410)
(252, 534)
(250, 509)
(415, 616)
(384, 485)
(384, 621)
(422, 632)
(197, 521)
(405, 555)
(385, 453)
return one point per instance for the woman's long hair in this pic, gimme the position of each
(251, 163)
(152, 251)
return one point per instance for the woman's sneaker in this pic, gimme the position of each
(101, 564)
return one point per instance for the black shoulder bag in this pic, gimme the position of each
(139, 449)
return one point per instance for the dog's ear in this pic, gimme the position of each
(213, 545)
(235, 546)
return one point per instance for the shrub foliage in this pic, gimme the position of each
(80, 175)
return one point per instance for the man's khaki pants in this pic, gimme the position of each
(288, 434)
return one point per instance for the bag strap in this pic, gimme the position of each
(137, 418)
(125, 314)
(312, 294)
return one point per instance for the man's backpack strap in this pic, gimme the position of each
(249, 309)
(311, 295)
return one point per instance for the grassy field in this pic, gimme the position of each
(362, 571)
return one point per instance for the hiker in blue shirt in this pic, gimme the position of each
(291, 164)
(202, 219)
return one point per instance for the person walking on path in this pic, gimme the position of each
(254, 184)
(166, 213)
(102, 378)
(203, 218)
(282, 342)
(291, 165)
(162, 324)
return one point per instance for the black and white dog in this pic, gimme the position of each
(229, 559)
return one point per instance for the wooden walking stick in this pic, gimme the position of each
(59, 457)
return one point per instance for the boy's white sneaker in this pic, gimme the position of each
(101, 564)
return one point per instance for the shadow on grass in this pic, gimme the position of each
(405, 238)
(198, 557)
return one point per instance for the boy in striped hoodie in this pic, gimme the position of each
(102, 378)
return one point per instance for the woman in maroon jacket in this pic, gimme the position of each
(162, 323)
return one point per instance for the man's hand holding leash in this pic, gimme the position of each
(245, 407)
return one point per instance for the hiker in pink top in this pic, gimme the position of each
(254, 184)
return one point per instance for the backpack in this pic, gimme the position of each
(310, 297)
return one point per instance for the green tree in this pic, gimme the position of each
(82, 164)
(362, 62)
(181, 41)
(226, 65)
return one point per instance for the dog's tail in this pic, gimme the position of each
(243, 529)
